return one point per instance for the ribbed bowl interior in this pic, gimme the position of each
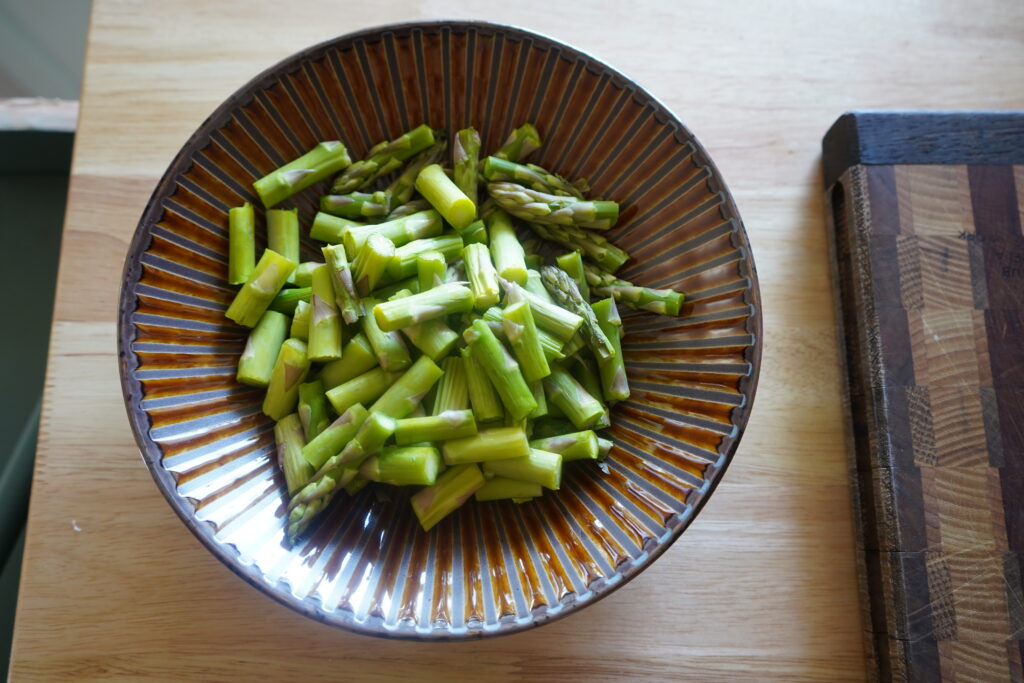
(493, 567)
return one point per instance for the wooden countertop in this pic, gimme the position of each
(762, 585)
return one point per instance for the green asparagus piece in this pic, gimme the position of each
(451, 424)
(256, 364)
(580, 445)
(465, 159)
(356, 358)
(594, 246)
(573, 345)
(403, 466)
(288, 299)
(662, 301)
(568, 295)
(572, 264)
(400, 230)
(538, 467)
(452, 489)
(535, 285)
(355, 204)
(342, 283)
(474, 233)
(283, 234)
(501, 488)
(482, 396)
(356, 484)
(521, 332)
(551, 345)
(537, 389)
(304, 273)
(528, 175)
(430, 269)
(582, 409)
(433, 303)
(583, 371)
(452, 388)
(325, 323)
(387, 291)
(241, 243)
(558, 321)
(321, 161)
(331, 440)
(330, 229)
(406, 393)
(501, 369)
(520, 143)
(364, 389)
(445, 196)
(289, 439)
(373, 433)
(404, 263)
(383, 159)
(371, 263)
(300, 321)
(312, 409)
(496, 443)
(392, 354)
(614, 383)
(483, 278)
(433, 337)
(400, 191)
(604, 447)
(259, 290)
(415, 206)
(552, 209)
(290, 371)
(506, 251)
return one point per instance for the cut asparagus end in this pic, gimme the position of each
(241, 243)
(445, 196)
(582, 445)
(495, 443)
(403, 466)
(450, 424)
(289, 372)
(315, 165)
(259, 290)
(502, 488)
(538, 467)
(331, 440)
(357, 357)
(256, 364)
(452, 489)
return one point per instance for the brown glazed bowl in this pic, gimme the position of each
(490, 568)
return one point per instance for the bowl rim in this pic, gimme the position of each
(128, 360)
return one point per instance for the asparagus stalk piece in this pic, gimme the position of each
(453, 387)
(383, 158)
(496, 443)
(325, 323)
(551, 345)
(573, 345)
(315, 165)
(403, 466)
(614, 383)
(406, 393)
(580, 445)
(414, 206)
(430, 269)
(375, 430)
(582, 409)
(604, 447)
(501, 369)
(392, 354)
(583, 371)
(433, 337)
(465, 159)
(482, 396)
(520, 143)
(537, 389)
(445, 196)
(342, 282)
(313, 409)
(483, 278)
(594, 246)
(290, 371)
(506, 250)
(521, 332)
(535, 285)
(330, 229)
(355, 204)
(558, 321)
(256, 364)
(289, 439)
(356, 358)
(542, 207)
(568, 295)
(259, 290)
(404, 263)
(400, 191)
(433, 303)
(333, 438)
(372, 262)
(400, 230)
(300, 321)
(452, 489)
(502, 488)
(572, 264)
(363, 390)
(538, 467)
(662, 301)
(283, 234)
(288, 299)
(241, 243)
(409, 284)
(450, 424)
(474, 233)
(528, 175)
(304, 273)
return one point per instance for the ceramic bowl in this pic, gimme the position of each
(490, 568)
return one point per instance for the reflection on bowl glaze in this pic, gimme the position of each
(491, 567)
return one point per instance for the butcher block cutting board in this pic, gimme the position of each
(925, 213)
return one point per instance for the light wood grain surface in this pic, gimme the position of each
(761, 586)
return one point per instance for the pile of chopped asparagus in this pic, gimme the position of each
(433, 347)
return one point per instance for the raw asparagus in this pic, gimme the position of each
(451, 490)
(404, 264)
(534, 177)
(580, 445)
(330, 229)
(259, 290)
(283, 234)
(313, 409)
(593, 245)
(445, 196)
(582, 409)
(482, 396)
(433, 303)
(496, 443)
(364, 389)
(538, 467)
(357, 357)
(465, 159)
(289, 438)
(403, 466)
(501, 369)
(662, 301)
(614, 383)
(430, 269)
(315, 165)
(290, 371)
(400, 230)
(392, 354)
(522, 335)
(450, 424)
(483, 278)
(256, 364)
(300, 321)
(371, 263)
(382, 159)
(325, 323)
(355, 204)
(342, 282)
(241, 243)
(566, 293)
(520, 143)
(506, 251)
(542, 207)
(333, 438)
(452, 389)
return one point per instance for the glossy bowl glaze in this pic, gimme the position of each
(490, 568)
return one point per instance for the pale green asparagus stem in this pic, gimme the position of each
(330, 229)
(391, 351)
(342, 282)
(287, 299)
(450, 424)
(304, 273)
(241, 243)
(320, 162)
(364, 390)
(522, 335)
(400, 191)
(256, 364)
(259, 290)
(520, 143)
(406, 393)
(289, 438)
(433, 303)
(572, 264)
(433, 337)
(403, 466)
(290, 371)
(496, 443)
(482, 396)
(604, 447)
(382, 159)
(331, 440)
(506, 251)
(372, 262)
(445, 196)
(300, 321)
(409, 208)
(538, 467)
(551, 209)
(558, 321)
(614, 383)
(313, 409)
(452, 489)
(400, 230)
(355, 204)
(283, 234)
(551, 345)
(593, 245)
(465, 159)
(582, 409)
(483, 278)
(662, 301)
(325, 324)
(582, 445)
(528, 175)
(566, 293)
(357, 357)
(404, 263)
(453, 387)
(501, 369)
(430, 269)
